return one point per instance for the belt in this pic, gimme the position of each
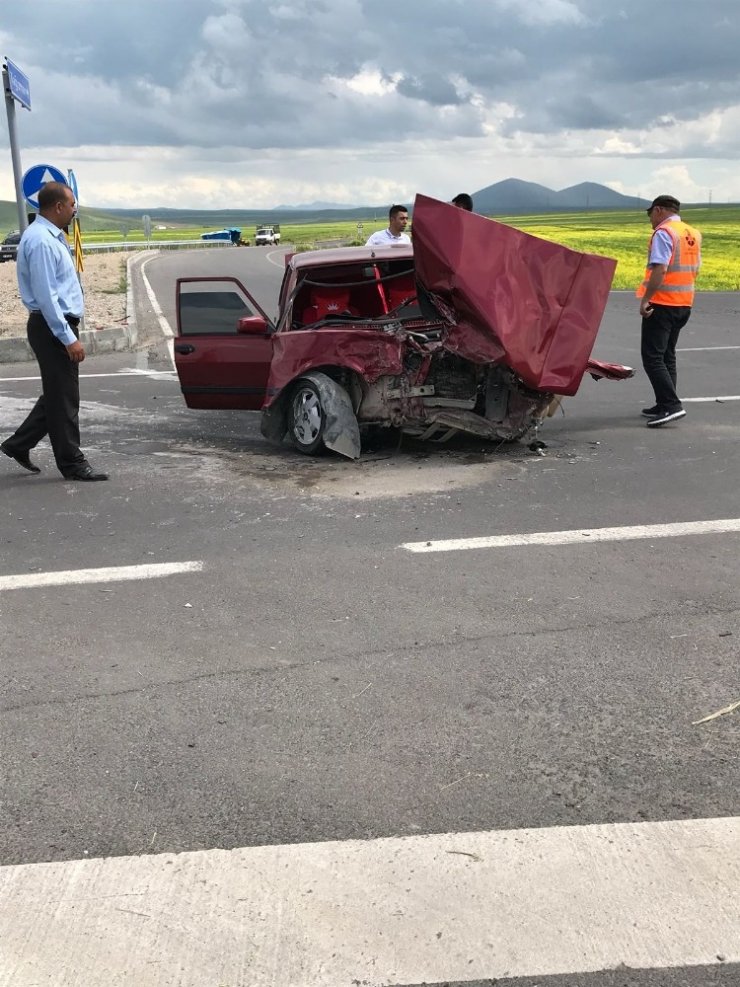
(74, 320)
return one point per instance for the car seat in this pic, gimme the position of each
(399, 290)
(326, 302)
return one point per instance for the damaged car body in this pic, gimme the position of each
(476, 328)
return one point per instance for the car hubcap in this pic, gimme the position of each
(306, 417)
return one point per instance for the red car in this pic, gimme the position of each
(476, 328)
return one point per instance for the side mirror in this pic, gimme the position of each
(252, 325)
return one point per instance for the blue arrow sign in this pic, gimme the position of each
(18, 84)
(35, 179)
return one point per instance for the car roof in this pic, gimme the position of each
(350, 255)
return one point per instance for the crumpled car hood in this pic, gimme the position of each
(510, 297)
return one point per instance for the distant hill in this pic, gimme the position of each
(315, 206)
(510, 197)
(90, 219)
(515, 196)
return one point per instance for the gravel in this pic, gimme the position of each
(102, 281)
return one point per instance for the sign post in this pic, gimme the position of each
(76, 231)
(147, 224)
(16, 88)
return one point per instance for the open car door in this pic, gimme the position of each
(223, 347)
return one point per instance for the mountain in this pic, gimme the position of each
(510, 197)
(317, 206)
(515, 196)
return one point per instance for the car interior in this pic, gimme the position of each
(355, 292)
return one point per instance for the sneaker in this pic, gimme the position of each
(664, 417)
(650, 412)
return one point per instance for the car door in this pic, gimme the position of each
(223, 347)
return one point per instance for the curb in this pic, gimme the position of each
(15, 349)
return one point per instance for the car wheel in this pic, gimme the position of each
(306, 418)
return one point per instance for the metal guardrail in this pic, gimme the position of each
(151, 245)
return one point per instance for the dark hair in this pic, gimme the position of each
(51, 193)
(396, 209)
(464, 201)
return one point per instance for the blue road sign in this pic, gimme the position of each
(72, 182)
(18, 84)
(34, 180)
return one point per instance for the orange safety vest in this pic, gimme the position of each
(678, 284)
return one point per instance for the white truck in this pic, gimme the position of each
(267, 236)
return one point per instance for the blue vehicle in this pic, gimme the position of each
(232, 234)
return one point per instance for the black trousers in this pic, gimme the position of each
(658, 346)
(57, 411)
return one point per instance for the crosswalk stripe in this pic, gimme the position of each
(579, 536)
(107, 574)
(424, 909)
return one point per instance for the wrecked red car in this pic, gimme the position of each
(477, 328)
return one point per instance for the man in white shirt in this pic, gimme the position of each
(398, 217)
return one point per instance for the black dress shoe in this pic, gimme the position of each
(86, 473)
(22, 458)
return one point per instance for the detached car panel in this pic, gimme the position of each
(511, 297)
(471, 329)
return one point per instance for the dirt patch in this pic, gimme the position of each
(103, 281)
(379, 474)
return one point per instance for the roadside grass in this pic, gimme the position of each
(122, 286)
(621, 235)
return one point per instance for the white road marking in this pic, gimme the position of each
(705, 349)
(171, 374)
(110, 574)
(720, 398)
(163, 323)
(280, 252)
(587, 536)
(422, 909)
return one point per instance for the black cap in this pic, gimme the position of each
(667, 201)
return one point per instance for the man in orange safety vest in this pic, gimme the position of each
(666, 296)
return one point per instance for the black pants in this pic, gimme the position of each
(659, 337)
(56, 413)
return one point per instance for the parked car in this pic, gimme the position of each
(9, 246)
(475, 328)
(267, 236)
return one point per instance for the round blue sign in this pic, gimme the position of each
(35, 179)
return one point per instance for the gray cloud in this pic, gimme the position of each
(283, 73)
(237, 77)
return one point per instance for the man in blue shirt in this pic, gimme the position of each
(51, 292)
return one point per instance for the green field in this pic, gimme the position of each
(624, 236)
(621, 235)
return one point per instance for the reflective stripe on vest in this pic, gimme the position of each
(677, 288)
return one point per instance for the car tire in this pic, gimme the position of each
(306, 418)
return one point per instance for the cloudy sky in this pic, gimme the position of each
(255, 103)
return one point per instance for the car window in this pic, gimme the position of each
(211, 312)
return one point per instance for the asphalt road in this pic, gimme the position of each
(315, 680)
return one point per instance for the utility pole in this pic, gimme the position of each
(16, 87)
